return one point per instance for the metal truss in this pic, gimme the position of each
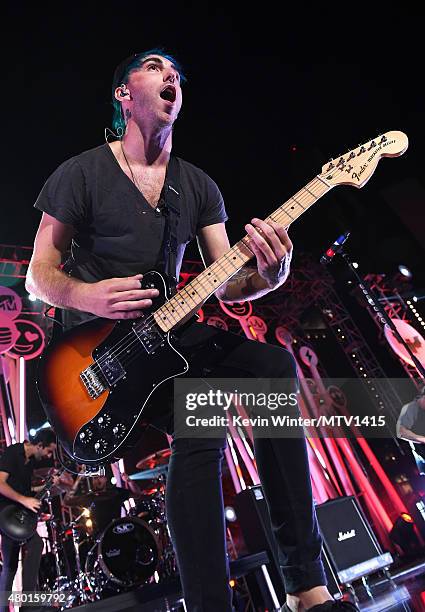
(311, 284)
(397, 308)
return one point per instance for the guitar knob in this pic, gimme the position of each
(104, 420)
(86, 436)
(119, 430)
(100, 446)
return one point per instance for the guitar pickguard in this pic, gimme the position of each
(130, 374)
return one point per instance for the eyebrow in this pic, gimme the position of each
(157, 60)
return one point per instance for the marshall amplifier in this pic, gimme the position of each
(348, 538)
(254, 520)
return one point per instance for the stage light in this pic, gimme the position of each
(415, 299)
(406, 517)
(230, 514)
(403, 534)
(404, 270)
(113, 480)
(32, 432)
(355, 264)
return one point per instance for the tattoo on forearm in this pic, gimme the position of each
(243, 280)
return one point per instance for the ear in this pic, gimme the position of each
(122, 93)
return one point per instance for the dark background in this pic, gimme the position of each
(271, 96)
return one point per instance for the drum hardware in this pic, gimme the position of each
(81, 583)
(150, 474)
(62, 581)
(93, 497)
(161, 457)
(150, 506)
(131, 551)
(125, 555)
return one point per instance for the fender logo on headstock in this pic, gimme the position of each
(357, 175)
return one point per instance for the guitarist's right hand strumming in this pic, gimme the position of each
(32, 503)
(117, 298)
(113, 298)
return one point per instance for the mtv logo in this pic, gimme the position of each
(8, 303)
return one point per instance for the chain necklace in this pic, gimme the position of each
(129, 167)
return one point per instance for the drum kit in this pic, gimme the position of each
(132, 550)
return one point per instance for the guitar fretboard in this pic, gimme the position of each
(191, 297)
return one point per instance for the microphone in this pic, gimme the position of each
(334, 249)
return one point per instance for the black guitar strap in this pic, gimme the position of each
(170, 207)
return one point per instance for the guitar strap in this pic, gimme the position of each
(169, 205)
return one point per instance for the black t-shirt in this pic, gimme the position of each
(117, 232)
(12, 461)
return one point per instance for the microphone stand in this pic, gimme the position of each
(383, 317)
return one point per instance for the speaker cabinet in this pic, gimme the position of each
(254, 519)
(349, 540)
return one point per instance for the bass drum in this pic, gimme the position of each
(128, 552)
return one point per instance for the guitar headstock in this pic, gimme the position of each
(357, 166)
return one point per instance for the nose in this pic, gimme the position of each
(170, 75)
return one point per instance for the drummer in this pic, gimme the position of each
(97, 493)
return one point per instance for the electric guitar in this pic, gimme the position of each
(20, 523)
(95, 381)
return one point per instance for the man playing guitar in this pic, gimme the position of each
(108, 205)
(16, 467)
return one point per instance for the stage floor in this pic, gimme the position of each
(406, 592)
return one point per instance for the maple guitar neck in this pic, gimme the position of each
(189, 299)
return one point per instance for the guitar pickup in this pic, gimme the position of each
(149, 337)
(111, 368)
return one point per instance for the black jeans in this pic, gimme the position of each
(194, 494)
(33, 549)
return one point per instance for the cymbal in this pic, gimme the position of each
(148, 474)
(161, 457)
(94, 497)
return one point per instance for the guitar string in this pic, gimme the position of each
(318, 179)
(282, 209)
(143, 324)
(120, 346)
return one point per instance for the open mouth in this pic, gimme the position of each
(168, 93)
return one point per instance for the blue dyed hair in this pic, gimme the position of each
(121, 74)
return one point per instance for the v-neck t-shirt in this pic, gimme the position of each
(118, 233)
